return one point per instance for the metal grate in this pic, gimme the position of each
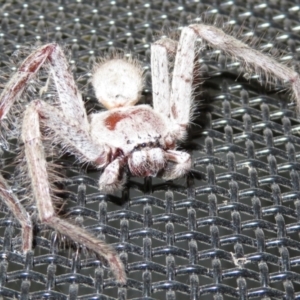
(231, 228)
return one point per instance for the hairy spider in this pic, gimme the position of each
(139, 138)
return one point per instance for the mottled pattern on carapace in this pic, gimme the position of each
(130, 128)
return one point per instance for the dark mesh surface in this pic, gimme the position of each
(231, 229)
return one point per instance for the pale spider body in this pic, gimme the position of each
(143, 140)
(139, 133)
(140, 139)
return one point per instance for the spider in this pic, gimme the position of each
(139, 138)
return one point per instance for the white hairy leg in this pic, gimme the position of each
(160, 79)
(49, 56)
(14, 205)
(72, 136)
(69, 97)
(181, 99)
(27, 70)
(252, 58)
(176, 103)
(37, 168)
(113, 177)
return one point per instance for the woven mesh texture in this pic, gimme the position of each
(228, 230)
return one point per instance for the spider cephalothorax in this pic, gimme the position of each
(145, 143)
(140, 138)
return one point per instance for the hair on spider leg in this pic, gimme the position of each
(269, 69)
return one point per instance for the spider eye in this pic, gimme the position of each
(118, 82)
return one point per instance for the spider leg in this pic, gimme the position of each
(181, 98)
(176, 103)
(67, 132)
(179, 164)
(113, 177)
(14, 205)
(52, 57)
(252, 58)
(160, 78)
(37, 168)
